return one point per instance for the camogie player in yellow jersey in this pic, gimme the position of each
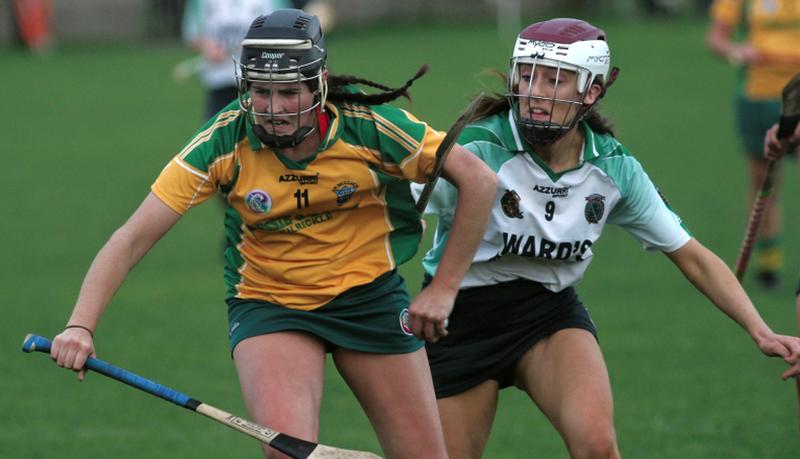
(768, 57)
(317, 178)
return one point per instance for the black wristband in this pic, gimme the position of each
(91, 333)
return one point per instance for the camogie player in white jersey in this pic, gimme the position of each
(562, 177)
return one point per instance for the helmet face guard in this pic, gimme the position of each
(533, 128)
(565, 46)
(283, 52)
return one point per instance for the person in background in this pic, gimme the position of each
(215, 28)
(563, 177)
(33, 24)
(774, 150)
(767, 57)
(317, 176)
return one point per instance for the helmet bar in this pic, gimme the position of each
(290, 43)
(272, 70)
(539, 131)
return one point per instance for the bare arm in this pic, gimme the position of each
(719, 40)
(118, 256)
(796, 366)
(709, 274)
(477, 186)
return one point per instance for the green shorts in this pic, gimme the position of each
(754, 118)
(367, 318)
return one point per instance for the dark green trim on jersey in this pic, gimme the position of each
(298, 165)
(384, 128)
(485, 132)
(383, 177)
(406, 221)
(222, 140)
(233, 258)
(227, 187)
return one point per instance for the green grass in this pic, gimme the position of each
(85, 132)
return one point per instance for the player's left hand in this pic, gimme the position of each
(787, 347)
(429, 311)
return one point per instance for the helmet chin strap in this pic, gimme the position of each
(537, 133)
(282, 141)
(285, 141)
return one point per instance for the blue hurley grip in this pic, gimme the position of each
(38, 343)
(35, 343)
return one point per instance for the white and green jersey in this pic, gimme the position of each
(543, 224)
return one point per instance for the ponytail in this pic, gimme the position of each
(336, 92)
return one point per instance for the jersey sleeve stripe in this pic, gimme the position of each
(387, 129)
(513, 126)
(383, 126)
(223, 120)
(431, 133)
(191, 170)
(496, 139)
(411, 142)
(197, 191)
(392, 135)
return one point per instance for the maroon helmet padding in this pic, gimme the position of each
(562, 30)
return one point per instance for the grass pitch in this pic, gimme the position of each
(85, 132)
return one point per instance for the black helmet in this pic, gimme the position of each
(283, 47)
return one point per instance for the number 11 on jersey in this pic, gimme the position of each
(302, 198)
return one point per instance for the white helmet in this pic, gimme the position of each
(563, 44)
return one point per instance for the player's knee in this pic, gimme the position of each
(597, 443)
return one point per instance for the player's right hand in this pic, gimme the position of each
(71, 348)
(775, 148)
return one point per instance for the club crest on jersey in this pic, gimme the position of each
(595, 207)
(258, 201)
(405, 324)
(510, 204)
(344, 191)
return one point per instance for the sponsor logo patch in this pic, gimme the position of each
(344, 191)
(404, 322)
(303, 179)
(258, 201)
(556, 192)
(510, 204)
(595, 207)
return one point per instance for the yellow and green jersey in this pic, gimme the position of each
(773, 27)
(301, 233)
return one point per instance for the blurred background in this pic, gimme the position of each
(100, 95)
(141, 20)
